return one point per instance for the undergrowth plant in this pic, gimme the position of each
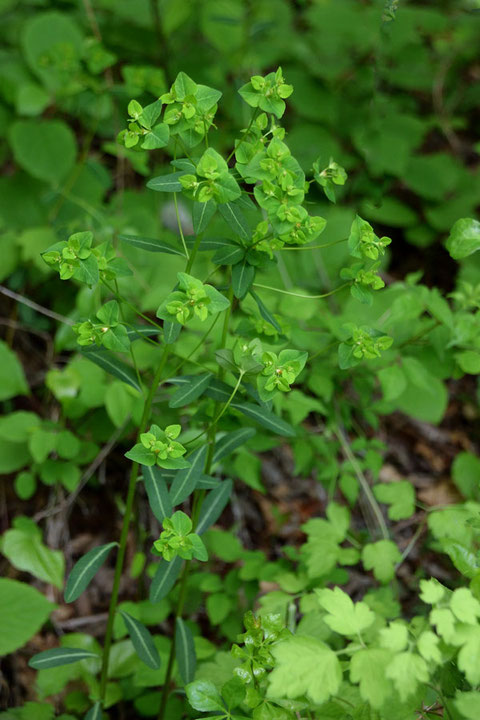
(218, 366)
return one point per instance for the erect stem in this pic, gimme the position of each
(305, 297)
(125, 527)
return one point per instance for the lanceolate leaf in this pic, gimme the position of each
(108, 361)
(84, 570)
(166, 183)
(265, 313)
(207, 482)
(236, 220)
(213, 506)
(243, 276)
(191, 391)
(229, 255)
(171, 331)
(228, 443)
(95, 712)
(185, 651)
(265, 418)
(150, 244)
(185, 481)
(165, 578)
(142, 641)
(59, 656)
(157, 491)
(202, 214)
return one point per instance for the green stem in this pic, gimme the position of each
(254, 115)
(420, 334)
(179, 222)
(125, 528)
(132, 307)
(191, 259)
(305, 297)
(314, 247)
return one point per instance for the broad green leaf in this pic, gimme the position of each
(44, 148)
(202, 214)
(464, 238)
(406, 670)
(166, 183)
(59, 656)
(109, 362)
(230, 442)
(235, 219)
(367, 668)
(469, 656)
(469, 361)
(157, 491)
(150, 244)
(468, 704)
(344, 616)
(400, 496)
(204, 696)
(228, 255)
(26, 551)
(265, 418)
(191, 391)
(142, 641)
(12, 378)
(164, 579)
(185, 481)
(381, 557)
(465, 606)
(243, 276)
(23, 611)
(265, 312)
(466, 474)
(392, 381)
(304, 666)
(185, 651)
(213, 506)
(85, 570)
(95, 712)
(157, 137)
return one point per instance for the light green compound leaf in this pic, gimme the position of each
(236, 220)
(399, 495)
(157, 491)
(468, 704)
(142, 641)
(465, 606)
(265, 418)
(469, 656)
(46, 149)
(344, 616)
(164, 579)
(202, 214)
(213, 506)
(407, 670)
(304, 666)
(190, 392)
(26, 551)
(150, 244)
(367, 668)
(392, 381)
(12, 378)
(109, 362)
(381, 557)
(185, 481)
(59, 656)
(464, 238)
(23, 611)
(85, 570)
(185, 651)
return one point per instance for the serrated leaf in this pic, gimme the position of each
(185, 481)
(367, 668)
(191, 391)
(202, 214)
(59, 656)
(142, 641)
(150, 244)
(213, 506)
(406, 670)
(265, 418)
(166, 183)
(381, 557)
(230, 442)
(109, 362)
(157, 491)
(84, 571)
(236, 220)
(243, 276)
(164, 579)
(344, 616)
(185, 651)
(265, 312)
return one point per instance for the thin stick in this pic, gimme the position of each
(35, 306)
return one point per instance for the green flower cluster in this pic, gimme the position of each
(143, 127)
(76, 258)
(191, 109)
(280, 371)
(363, 343)
(108, 331)
(333, 174)
(267, 93)
(261, 633)
(159, 447)
(212, 180)
(194, 299)
(178, 540)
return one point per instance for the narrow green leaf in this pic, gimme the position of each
(185, 481)
(265, 312)
(236, 220)
(142, 641)
(150, 244)
(229, 255)
(185, 651)
(208, 244)
(166, 183)
(95, 712)
(165, 578)
(171, 331)
(243, 276)
(191, 391)
(207, 482)
(139, 331)
(84, 571)
(202, 214)
(213, 506)
(157, 491)
(59, 656)
(265, 418)
(229, 442)
(109, 362)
